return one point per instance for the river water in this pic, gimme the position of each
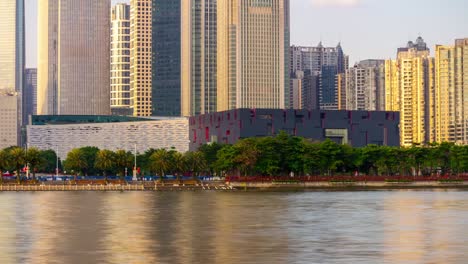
(234, 227)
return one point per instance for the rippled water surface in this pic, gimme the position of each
(213, 227)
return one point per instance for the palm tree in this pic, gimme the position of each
(76, 161)
(160, 162)
(34, 159)
(196, 163)
(4, 162)
(105, 161)
(123, 160)
(18, 160)
(179, 164)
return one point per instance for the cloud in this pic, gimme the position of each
(336, 3)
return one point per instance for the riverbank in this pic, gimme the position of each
(243, 186)
(347, 185)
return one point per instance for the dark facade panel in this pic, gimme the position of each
(357, 128)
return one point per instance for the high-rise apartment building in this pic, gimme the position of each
(313, 58)
(29, 95)
(74, 57)
(12, 63)
(199, 56)
(120, 60)
(166, 57)
(409, 89)
(141, 57)
(451, 96)
(253, 54)
(365, 86)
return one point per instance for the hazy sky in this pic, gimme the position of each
(367, 29)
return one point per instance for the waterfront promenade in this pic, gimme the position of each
(332, 185)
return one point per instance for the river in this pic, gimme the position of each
(234, 227)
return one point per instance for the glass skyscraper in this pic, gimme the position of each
(166, 61)
(12, 63)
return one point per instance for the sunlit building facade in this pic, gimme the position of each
(74, 57)
(120, 60)
(199, 56)
(451, 96)
(409, 90)
(253, 54)
(12, 61)
(141, 57)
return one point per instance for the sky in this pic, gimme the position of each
(367, 29)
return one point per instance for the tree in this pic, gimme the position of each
(4, 163)
(123, 161)
(247, 155)
(211, 151)
(105, 161)
(196, 163)
(225, 160)
(90, 154)
(34, 159)
(18, 160)
(76, 161)
(179, 163)
(160, 163)
(49, 158)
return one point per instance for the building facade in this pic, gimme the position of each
(29, 94)
(141, 57)
(410, 89)
(365, 86)
(74, 57)
(166, 58)
(120, 60)
(253, 54)
(199, 56)
(451, 96)
(68, 132)
(356, 128)
(12, 63)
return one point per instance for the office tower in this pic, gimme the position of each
(310, 91)
(74, 57)
(409, 86)
(12, 63)
(365, 86)
(328, 88)
(141, 57)
(253, 54)
(120, 60)
(166, 66)
(450, 94)
(29, 95)
(199, 43)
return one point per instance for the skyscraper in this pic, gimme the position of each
(166, 57)
(409, 89)
(461, 78)
(253, 54)
(141, 57)
(29, 95)
(199, 47)
(120, 60)
(12, 63)
(74, 54)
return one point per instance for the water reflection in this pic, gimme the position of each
(323, 227)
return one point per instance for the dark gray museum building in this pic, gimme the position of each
(356, 128)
